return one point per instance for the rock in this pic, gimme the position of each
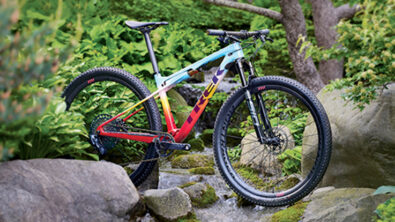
(65, 190)
(363, 141)
(192, 161)
(257, 156)
(344, 204)
(196, 144)
(202, 170)
(168, 204)
(202, 195)
(152, 180)
(189, 93)
(179, 106)
(317, 192)
(207, 137)
(292, 213)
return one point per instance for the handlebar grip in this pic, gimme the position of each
(215, 32)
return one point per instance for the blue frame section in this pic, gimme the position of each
(230, 53)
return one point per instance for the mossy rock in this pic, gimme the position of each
(202, 195)
(192, 161)
(252, 175)
(207, 137)
(288, 183)
(292, 213)
(202, 170)
(179, 106)
(190, 218)
(191, 135)
(196, 144)
(177, 153)
(187, 184)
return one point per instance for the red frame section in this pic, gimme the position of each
(179, 134)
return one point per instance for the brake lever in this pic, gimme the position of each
(270, 40)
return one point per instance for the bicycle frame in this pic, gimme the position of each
(230, 53)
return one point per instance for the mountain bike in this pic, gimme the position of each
(271, 141)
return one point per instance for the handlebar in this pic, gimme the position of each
(241, 34)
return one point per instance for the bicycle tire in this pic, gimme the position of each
(123, 81)
(257, 187)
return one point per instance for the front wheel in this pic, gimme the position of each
(295, 154)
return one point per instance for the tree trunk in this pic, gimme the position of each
(295, 25)
(325, 20)
(326, 17)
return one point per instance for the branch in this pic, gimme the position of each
(347, 12)
(250, 8)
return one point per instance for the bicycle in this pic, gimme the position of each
(258, 135)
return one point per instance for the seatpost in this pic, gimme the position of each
(150, 50)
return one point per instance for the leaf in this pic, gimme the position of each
(61, 107)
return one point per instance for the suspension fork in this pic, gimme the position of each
(261, 104)
(250, 103)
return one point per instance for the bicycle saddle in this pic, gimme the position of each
(138, 25)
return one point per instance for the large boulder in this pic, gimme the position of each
(345, 204)
(363, 141)
(65, 190)
(168, 204)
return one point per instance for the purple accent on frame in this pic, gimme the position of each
(189, 119)
(196, 109)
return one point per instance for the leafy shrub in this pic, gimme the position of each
(56, 134)
(367, 44)
(291, 160)
(385, 211)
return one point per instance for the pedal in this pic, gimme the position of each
(176, 146)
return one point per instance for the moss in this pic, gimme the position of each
(202, 170)
(189, 218)
(187, 184)
(207, 198)
(177, 153)
(251, 176)
(196, 144)
(288, 183)
(207, 137)
(191, 135)
(292, 213)
(192, 161)
(128, 170)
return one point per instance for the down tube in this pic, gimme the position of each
(204, 99)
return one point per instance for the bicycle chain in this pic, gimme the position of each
(157, 142)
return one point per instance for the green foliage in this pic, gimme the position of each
(24, 59)
(196, 14)
(292, 213)
(234, 153)
(367, 44)
(385, 211)
(291, 160)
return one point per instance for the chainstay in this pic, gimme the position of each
(123, 126)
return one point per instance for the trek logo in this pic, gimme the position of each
(207, 94)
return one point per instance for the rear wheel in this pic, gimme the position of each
(297, 149)
(102, 93)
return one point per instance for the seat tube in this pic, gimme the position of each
(151, 51)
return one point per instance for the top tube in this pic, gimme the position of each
(233, 50)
